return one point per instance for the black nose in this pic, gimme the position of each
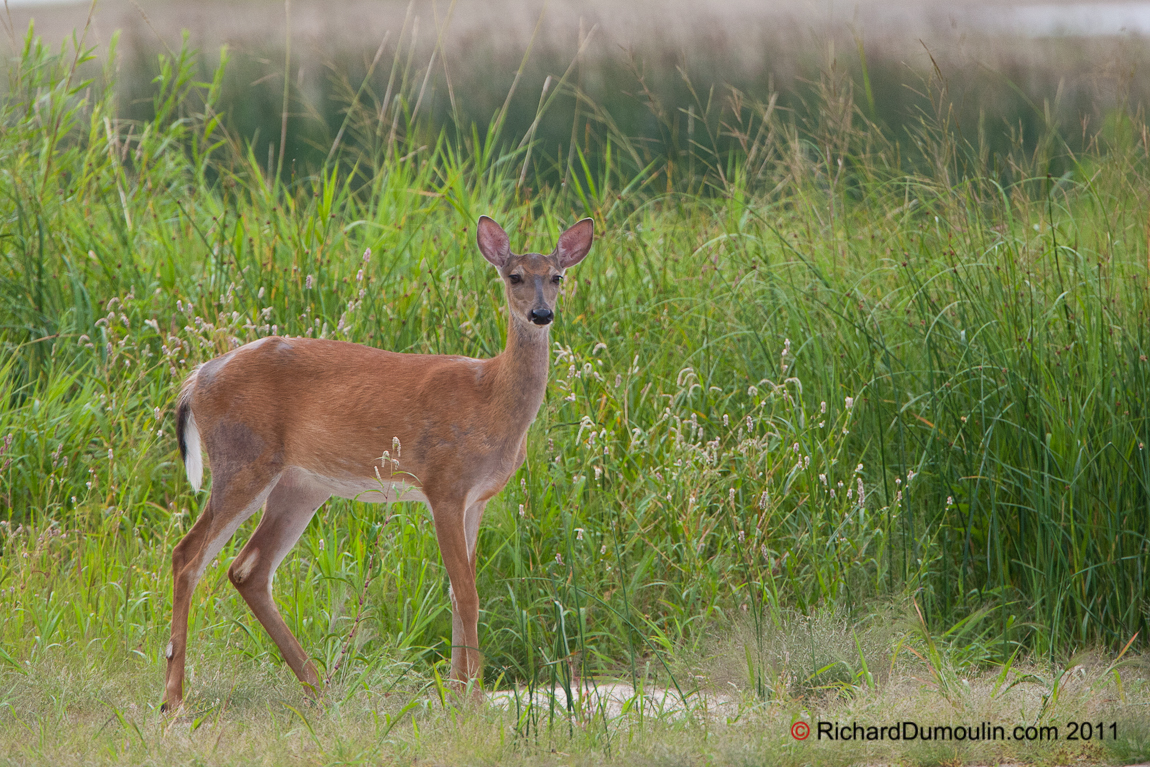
(541, 316)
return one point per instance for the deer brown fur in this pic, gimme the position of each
(289, 422)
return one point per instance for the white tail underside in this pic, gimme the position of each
(193, 459)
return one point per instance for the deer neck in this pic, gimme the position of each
(522, 374)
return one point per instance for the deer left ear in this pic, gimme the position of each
(575, 242)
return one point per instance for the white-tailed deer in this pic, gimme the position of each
(289, 422)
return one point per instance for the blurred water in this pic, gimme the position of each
(1063, 20)
(1078, 19)
(33, 3)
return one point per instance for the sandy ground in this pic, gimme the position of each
(612, 699)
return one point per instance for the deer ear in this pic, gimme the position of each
(493, 242)
(575, 242)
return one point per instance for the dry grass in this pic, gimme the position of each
(71, 707)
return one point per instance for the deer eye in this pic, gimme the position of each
(515, 279)
(557, 279)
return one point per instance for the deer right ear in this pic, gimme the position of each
(493, 242)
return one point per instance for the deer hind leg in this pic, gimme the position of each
(290, 507)
(231, 503)
(457, 528)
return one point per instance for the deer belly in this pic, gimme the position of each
(369, 490)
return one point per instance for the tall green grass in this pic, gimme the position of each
(826, 368)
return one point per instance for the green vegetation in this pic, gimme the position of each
(831, 410)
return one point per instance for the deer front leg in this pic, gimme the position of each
(471, 519)
(451, 530)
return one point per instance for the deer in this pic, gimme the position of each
(288, 422)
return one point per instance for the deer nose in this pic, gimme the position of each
(541, 316)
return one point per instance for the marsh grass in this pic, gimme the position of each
(844, 433)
